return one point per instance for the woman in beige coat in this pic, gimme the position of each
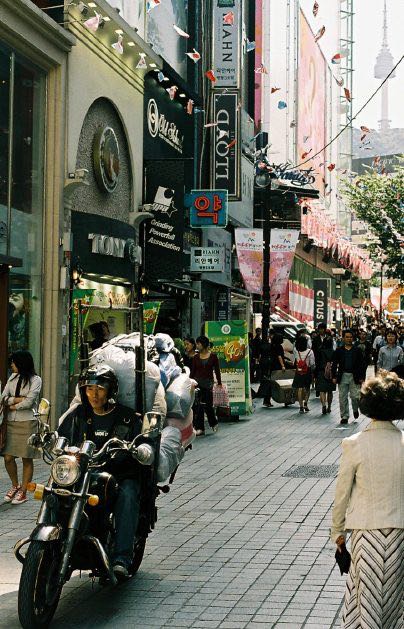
(369, 501)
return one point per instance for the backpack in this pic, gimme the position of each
(302, 368)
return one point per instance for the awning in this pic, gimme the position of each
(176, 289)
(10, 261)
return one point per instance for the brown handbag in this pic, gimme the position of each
(3, 425)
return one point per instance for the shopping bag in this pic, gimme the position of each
(220, 395)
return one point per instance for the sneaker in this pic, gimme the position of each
(11, 493)
(356, 414)
(306, 409)
(20, 497)
(329, 409)
(324, 410)
(120, 571)
(215, 428)
(199, 433)
(301, 410)
(343, 422)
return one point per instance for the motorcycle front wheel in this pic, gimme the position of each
(39, 592)
(138, 553)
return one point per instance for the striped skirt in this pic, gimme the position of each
(374, 595)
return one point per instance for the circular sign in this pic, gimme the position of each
(226, 329)
(153, 118)
(106, 159)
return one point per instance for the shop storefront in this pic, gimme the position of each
(30, 174)
(168, 168)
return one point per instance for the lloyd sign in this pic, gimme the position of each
(225, 153)
(226, 42)
(207, 259)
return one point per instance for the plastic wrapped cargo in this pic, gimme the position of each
(171, 453)
(180, 396)
(185, 426)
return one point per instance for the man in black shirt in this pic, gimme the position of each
(256, 345)
(349, 371)
(99, 418)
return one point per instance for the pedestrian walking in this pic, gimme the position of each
(325, 382)
(256, 345)
(189, 351)
(276, 363)
(205, 365)
(19, 397)
(317, 343)
(304, 364)
(391, 354)
(369, 502)
(364, 345)
(379, 341)
(349, 371)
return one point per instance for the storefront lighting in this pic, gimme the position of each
(144, 291)
(152, 65)
(119, 31)
(166, 78)
(106, 18)
(182, 95)
(92, 5)
(77, 273)
(131, 43)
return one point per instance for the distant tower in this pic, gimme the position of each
(384, 65)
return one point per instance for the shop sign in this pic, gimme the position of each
(294, 177)
(223, 304)
(162, 127)
(150, 314)
(207, 259)
(219, 238)
(225, 140)
(321, 293)
(115, 247)
(230, 343)
(226, 43)
(241, 213)
(208, 208)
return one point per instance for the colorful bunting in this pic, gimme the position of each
(210, 124)
(365, 129)
(151, 4)
(195, 56)
(337, 58)
(306, 153)
(305, 138)
(211, 76)
(231, 144)
(347, 94)
(261, 69)
(228, 18)
(172, 91)
(141, 64)
(339, 81)
(315, 9)
(250, 46)
(118, 47)
(331, 167)
(160, 77)
(282, 104)
(190, 106)
(93, 23)
(274, 89)
(319, 33)
(180, 32)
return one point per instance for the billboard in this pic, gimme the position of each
(311, 125)
(226, 43)
(165, 40)
(225, 140)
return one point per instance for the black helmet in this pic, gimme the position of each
(101, 375)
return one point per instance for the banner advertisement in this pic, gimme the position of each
(375, 296)
(230, 343)
(249, 245)
(150, 314)
(321, 288)
(282, 251)
(226, 43)
(225, 141)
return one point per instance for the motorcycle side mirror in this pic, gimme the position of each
(44, 408)
(152, 424)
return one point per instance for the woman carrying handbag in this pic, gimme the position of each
(19, 397)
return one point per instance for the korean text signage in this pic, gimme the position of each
(223, 304)
(208, 208)
(207, 259)
(230, 343)
(226, 42)
(225, 153)
(321, 294)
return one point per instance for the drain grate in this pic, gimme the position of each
(312, 471)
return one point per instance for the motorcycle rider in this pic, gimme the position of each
(99, 418)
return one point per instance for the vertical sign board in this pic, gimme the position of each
(223, 305)
(226, 51)
(225, 141)
(321, 294)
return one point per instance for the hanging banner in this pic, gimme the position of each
(249, 245)
(375, 296)
(282, 251)
(226, 43)
(230, 343)
(321, 286)
(150, 314)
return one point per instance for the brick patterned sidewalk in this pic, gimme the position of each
(238, 543)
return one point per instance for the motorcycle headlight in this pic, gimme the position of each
(65, 470)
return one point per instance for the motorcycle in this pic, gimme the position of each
(75, 524)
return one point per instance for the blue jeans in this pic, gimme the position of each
(126, 520)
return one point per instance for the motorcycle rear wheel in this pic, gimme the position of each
(38, 597)
(138, 553)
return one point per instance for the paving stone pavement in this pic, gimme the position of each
(238, 544)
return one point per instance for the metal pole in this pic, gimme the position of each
(266, 291)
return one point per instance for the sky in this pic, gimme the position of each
(368, 23)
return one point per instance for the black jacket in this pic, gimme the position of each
(358, 364)
(77, 427)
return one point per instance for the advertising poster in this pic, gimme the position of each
(249, 244)
(230, 343)
(282, 251)
(150, 315)
(312, 102)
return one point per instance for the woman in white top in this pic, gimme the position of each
(20, 395)
(369, 501)
(304, 363)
